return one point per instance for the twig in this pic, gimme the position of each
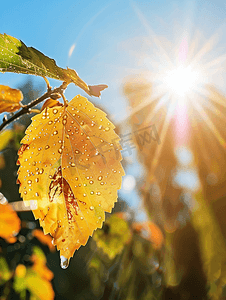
(27, 108)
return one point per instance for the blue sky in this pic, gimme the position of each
(106, 35)
(101, 31)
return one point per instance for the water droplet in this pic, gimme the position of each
(50, 122)
(107, 128)
(100, 178)
(91, 208)
(41, 171)
(29, 182)
(72, 165)
(92, 192)
(98, 193)
(91, 181)
(55, 111)
(64, 122)
(60, 150)
(55, 132)
(84, 195)
(36, 180)
(82, 218)
(36, 194)
(25, 192)
(47, 147)
(64, 263)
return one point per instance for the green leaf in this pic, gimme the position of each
(16, 57)
(5, 273)
(113, 237)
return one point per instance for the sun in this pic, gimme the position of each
(182, 81)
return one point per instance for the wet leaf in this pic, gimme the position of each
(9, 99)
(70, 167)
(5, 137)
(113, 237)
(16, 57)
(9, 223)
(51, 103)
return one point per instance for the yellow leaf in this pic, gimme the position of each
(51, 103)
(38, 286)
(70, 166)
(9, 99)
(5, 138)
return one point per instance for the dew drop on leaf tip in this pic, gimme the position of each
(64, 263)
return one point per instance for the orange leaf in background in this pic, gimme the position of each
(2, 162)
(150, 231)
(20, 271)
(9, 223)
(45, 239)
(70, 166)
(9, 99)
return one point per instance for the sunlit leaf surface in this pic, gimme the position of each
(70, 168)
(9, 99)
(16, 57)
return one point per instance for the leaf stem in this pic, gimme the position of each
(26, 108)
(65, 100)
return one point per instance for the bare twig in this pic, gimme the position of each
(27, 108)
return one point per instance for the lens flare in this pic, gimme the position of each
(182, 80)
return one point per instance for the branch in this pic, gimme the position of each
(27, 108)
